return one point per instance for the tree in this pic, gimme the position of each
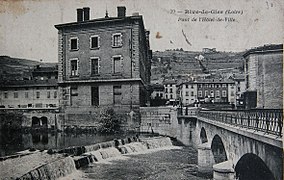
(109, 121)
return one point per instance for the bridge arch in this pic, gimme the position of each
(218, 149)
(203, 135)
(251, 166)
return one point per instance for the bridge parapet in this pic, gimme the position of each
(187, 112)
(269, 121)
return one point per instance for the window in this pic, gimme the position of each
(117, 40)
(186, 86)
(15, 94)
(217, 85)
(224, 93)
(199, 85)
(192, 86)
(171, 90)
(232, 93)
(117, 95)
(224, 85)
(171, 85)
(239, 89)
(217, 93)
(166, 90)
(206, 85)
(74, 67)
(55, 94)
(37, 94)
(186, 93)
(5, 95)
(26, 95)
(206, 93)
(212, 93)
(94, 42)
(48, 94)
(192, 93)
(117, 64)
(74, 43)
(94, 66)
(171, 96)
(199, 93)
(95, 96)
(166, 96)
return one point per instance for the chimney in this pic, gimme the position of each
(79, 15)
(86, 13)
(121, 11)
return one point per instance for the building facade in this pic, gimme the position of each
(170, 90)
(264, 77)
(208, 91)
(29, 94)
(188, 93)
(103, 62)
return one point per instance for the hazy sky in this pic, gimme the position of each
(27, 26)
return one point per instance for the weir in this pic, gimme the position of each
(72, 158)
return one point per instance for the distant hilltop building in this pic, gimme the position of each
(103, 62)
(264, 77)
(209, 50)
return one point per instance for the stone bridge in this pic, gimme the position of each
(243, 144)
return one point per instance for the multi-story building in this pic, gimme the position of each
(40, 91)
(240, 85)
(264, 77)
(29, 94)
(45, 72)
(188, 93)
(214, 91)
(170, 90)
(103, 62)
(158, 91)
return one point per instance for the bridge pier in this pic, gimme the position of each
(224, 171)
(205, 159)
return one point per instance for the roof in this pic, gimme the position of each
(211, 81)
(265, 49)
(29, 83)
(157, 87)
(45, 69)
(101, 21)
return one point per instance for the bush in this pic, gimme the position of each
(109, 121)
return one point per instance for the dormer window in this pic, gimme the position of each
(74, 43)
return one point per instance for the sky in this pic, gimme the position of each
(27, 26)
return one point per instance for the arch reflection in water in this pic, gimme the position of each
(251, 167)
(218, 150)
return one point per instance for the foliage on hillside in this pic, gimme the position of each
(183, 62)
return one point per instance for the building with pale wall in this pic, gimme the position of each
(29, 94)
(214, 91)
(103, 62)
(264, 77)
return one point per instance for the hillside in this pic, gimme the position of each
(171, 63)
(17, 69)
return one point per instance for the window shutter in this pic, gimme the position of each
(120, 40)
(99, 65)
(99, 43)
(121, 62)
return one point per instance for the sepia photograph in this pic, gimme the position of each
(141, 89)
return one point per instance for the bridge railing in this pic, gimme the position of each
(187, 111)
(266, 120)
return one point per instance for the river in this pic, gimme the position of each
(177, 162)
